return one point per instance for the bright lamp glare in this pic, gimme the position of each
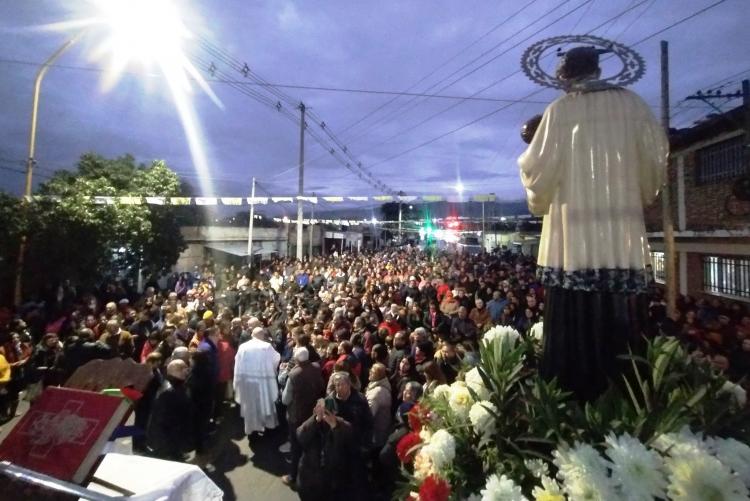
(151, 33)
(459, 187)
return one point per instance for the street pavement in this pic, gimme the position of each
(244, 470)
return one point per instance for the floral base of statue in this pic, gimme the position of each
(674, 430)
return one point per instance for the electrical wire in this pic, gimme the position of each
(411, 104)
(492, 84)
(439, 67)
(492, 113)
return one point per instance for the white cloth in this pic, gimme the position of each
(596, 159)
(255, 385)
(154, 479)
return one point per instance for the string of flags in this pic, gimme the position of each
(235, 201)
(378, 222)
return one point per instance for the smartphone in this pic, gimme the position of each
(330, 405)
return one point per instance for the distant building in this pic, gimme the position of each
(711, 223)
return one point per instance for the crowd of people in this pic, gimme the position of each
(339, 348)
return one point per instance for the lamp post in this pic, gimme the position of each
(30, 161)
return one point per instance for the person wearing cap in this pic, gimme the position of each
(170, 425)
(255, 387)
(303, 388)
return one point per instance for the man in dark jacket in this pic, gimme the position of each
(462, 327)
(304, 387)
(170, 425)
(202, 386)
(436, 322)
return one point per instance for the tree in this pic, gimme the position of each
(70, 237)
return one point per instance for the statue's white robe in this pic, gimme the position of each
(595, 161)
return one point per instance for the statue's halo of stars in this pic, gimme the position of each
(633, 65)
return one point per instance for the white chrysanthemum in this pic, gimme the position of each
(441, 449)
(682, 442)
(537, 331)
(473, 497)
(735, 455)
(737, 391)
(501, 332)
(636, 470)
(698, 475)
(502, 489)
(584, 473)
(423, 466)
(482, 420)
(474, 381)
(537, 467)
(425, 434)
(460, 399)
(548, 491)
(442, 391)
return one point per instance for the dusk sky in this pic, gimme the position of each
(428, 47)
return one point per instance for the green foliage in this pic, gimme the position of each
(71, 238)
(661, 392)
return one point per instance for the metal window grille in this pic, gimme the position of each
(726, 275)
(724, 160)
(657, 262)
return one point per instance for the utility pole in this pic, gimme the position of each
(746, 104)
(312, 229)
(670, 268)
(483, 233)
(250, 227)
(400, 237)
(300, 191)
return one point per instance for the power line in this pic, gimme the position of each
(487, 115)
(368, 178)
(323, 88)
(506, 77)
(352, 164)
(410, 104)
(439, 67)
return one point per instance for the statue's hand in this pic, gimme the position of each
(529, 128)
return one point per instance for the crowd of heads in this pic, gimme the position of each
(395, 324)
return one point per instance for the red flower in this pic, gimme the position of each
(405, 448)
(417, 416)
(434, 489)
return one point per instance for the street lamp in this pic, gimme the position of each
(30, 161)
(149, 31)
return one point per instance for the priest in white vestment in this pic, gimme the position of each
(255, 386)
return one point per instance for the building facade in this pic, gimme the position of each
(711, 217)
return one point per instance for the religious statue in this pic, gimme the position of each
(595, 158)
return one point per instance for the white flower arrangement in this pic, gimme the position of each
(698, 475)
(460, 399)
(550, 490)
(441, 449)
(537, 332)
(474, 381)
(735, 455)
(537, 467)
(737, 391)
(502, 488)
(636, 471)
(502, 333)
(482, 419)
(442, 391)
(584, 473)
